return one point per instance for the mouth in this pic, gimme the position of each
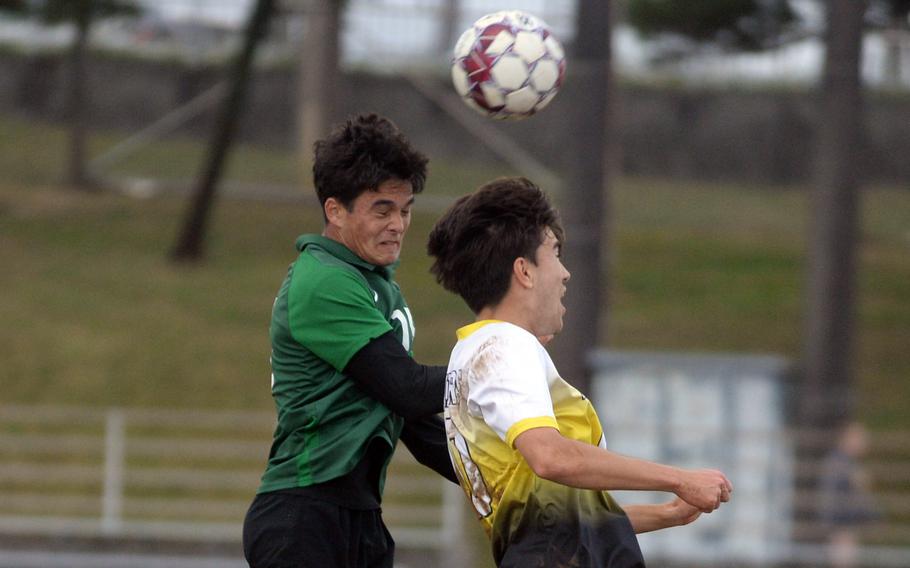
(391, 248)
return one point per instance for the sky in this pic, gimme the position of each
(392, 33)
(389, 31)
(233, 11)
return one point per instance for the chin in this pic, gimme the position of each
(553, 330)
(386, 261)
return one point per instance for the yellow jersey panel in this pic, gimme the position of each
(500, 383)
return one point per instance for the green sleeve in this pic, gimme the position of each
(333, 314)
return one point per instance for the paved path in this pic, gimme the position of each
(63, 559)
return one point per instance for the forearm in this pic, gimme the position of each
(425, 438)
(385, 372)
(647, 518)
(590, 467)
(577, 464)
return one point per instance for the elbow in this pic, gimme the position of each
(550, 468)
(548, 454)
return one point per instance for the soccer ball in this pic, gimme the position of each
(508, 65)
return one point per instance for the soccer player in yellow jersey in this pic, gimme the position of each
(528, 448)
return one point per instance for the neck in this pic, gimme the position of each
(332, 232)
(508, 312)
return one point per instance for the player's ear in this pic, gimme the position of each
(334, 212)
(521, 271)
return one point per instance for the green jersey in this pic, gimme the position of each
(331, 304)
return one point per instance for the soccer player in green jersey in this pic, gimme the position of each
(528, 447)
(344, 383)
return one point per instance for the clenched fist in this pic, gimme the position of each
(704, 489)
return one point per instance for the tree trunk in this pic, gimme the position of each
(829, 344)
(77, 174)
(190, 244)
(586, 209)
(319, 73)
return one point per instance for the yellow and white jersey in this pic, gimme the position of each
(501, 382)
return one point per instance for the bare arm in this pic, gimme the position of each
(576, 464)
(646, 518)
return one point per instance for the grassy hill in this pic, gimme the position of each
(92, 312)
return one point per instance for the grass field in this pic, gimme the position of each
(92, 312)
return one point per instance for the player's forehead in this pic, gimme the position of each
(390, 193)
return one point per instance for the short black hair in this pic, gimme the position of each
(478, 239)
(362, 153)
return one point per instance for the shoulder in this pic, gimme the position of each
(322, 280)
(502, 344)
(516, 338)
(316, 267)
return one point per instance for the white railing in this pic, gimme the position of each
(191, 475)
(173, 474)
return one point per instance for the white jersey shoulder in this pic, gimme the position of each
(504, 375)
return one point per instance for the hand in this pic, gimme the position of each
(704, 489)
(680, 513)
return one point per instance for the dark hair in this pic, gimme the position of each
(478, 239)
(361, 154)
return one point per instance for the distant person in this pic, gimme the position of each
(846, 503)
(344, 383)
(528, 447)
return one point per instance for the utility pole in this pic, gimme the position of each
(830, 326)
(585, 212)
(448, 26)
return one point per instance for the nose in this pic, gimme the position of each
(397, 223)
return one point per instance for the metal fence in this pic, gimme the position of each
(169, 474)
(172, 474)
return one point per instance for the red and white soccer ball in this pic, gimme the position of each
(508, 65)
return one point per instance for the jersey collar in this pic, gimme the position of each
(466, 331)
(342, 252)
